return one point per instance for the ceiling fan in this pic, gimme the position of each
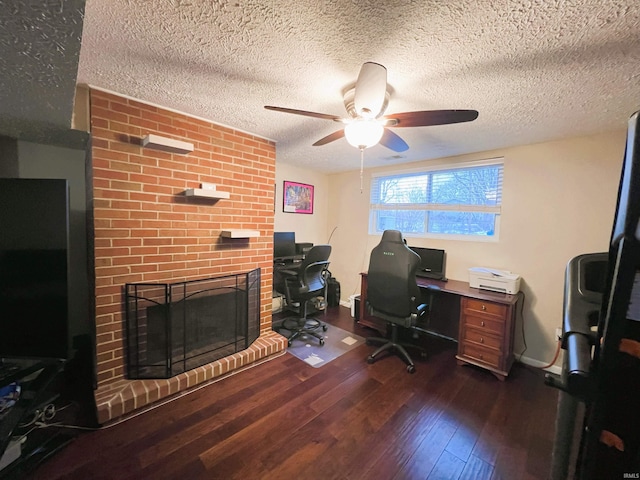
(367, 125)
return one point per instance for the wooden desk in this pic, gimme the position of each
(482, 322)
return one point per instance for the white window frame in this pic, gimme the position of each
(497, 209)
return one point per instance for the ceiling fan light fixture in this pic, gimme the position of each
(367, 124)
(363, 133)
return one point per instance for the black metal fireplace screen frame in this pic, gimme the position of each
(175, 327)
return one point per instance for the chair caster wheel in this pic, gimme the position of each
(324, 327)
(289, 343)
(321, 341)
(411, 369)
(370, 359)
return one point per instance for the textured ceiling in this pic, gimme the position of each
(536, 70)
(40, 48)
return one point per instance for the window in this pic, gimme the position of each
(462, 202)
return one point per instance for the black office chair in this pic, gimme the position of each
(302, 285)
(393, 294)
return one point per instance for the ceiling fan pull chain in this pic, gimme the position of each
(361, 166)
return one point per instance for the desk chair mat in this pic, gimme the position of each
(337, 342)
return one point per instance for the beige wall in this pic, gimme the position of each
(558, 202)
(314, 228)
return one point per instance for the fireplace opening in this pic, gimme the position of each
(175, 327)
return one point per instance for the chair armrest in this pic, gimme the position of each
(431, 291)
(289, 273)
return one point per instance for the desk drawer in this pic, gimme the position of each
(483, 338)
(483, 354)
(483, 307)
(484, 323)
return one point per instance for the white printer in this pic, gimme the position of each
(495, 280)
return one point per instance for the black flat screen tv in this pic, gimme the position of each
(34, 226)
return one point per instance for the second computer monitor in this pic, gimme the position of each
(432, 262)
(284, 245)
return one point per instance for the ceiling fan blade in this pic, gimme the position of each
(370, 90)
(330, 138)
(393, 141)
(429, 117)
(304, 113)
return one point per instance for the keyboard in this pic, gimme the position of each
(432, 276)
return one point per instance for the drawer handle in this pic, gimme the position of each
(482, 323)
(481, 357)
(481, 340)
(484, 307)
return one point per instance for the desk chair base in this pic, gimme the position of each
(300, 327)
(393, 345)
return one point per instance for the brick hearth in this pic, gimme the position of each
(118, 399)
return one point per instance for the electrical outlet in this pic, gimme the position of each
(558, 333)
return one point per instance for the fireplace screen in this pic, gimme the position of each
(173, 328)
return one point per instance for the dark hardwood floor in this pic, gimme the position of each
(346, 420)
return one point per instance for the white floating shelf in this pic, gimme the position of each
(166, 144)
(239, 233)
(205, 193)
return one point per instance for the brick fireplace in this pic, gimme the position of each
(147, 230)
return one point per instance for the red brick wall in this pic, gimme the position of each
(146, 230)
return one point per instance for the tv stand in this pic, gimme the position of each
(35, 377)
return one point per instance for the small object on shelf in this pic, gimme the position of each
(239, 233)
(166, 144)
(205, 193)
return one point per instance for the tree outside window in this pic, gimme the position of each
(464, 201)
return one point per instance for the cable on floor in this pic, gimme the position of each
(555, 357)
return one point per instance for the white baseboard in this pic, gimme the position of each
(556, 369)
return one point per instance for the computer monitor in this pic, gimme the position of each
(432, 262)
(284, 244)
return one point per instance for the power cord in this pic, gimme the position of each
(555, 357)
(524, 340)
(41, 418)
(41, 415)
(524, 337)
